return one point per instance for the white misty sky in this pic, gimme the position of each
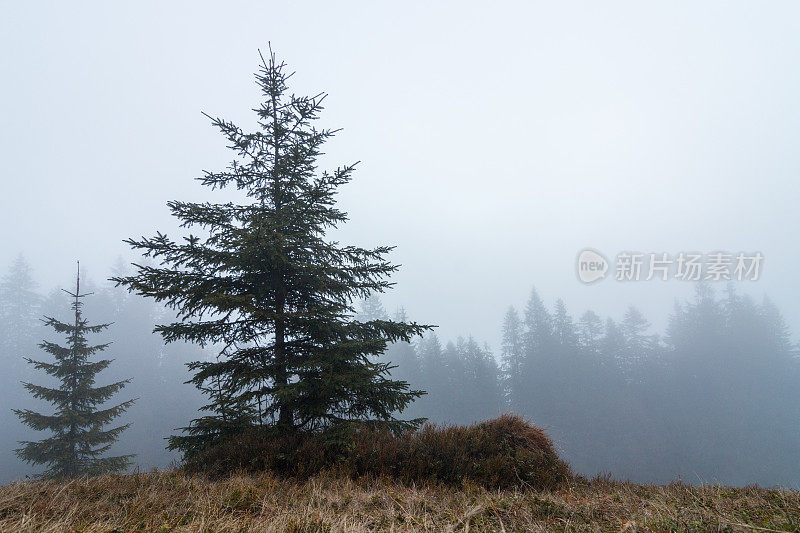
(496, 140)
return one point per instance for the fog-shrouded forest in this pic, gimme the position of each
(268, 243)
(712, 398)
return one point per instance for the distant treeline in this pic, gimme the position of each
(714, 399)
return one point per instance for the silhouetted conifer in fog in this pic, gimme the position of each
(477, 381)
(512, 357)
(372, 309)
(79, 440)
(538, 339)
(19, 305)
(590, 330)
(266, 286)
(403, 355)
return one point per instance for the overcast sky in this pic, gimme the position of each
(496, 140)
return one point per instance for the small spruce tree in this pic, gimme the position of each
(79, 440)
(265, 285)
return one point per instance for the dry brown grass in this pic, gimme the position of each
(175, 501)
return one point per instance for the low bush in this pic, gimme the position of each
(499, 453)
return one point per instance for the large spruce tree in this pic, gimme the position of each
(266, 288)
(79, 441)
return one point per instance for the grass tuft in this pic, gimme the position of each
(501, 453)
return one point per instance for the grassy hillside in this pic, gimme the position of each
(175, 501)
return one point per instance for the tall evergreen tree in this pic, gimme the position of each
(612, 345)
(567, 357)
(590, 331)
(539, 361)
(538, 322)
(372, 309)
(512, 358)
(19, 303)
(480, 392)
(639, 345)
(564, 328)
(79, 440)
(404, 356)
(266, 285)
(436, 378)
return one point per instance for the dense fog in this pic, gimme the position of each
(496, 144)
(712, 398)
